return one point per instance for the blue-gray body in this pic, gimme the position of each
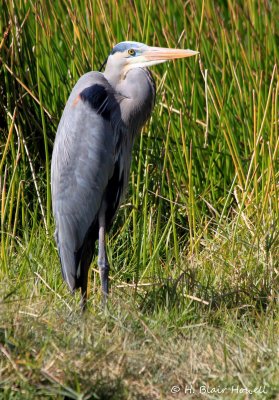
(91, 162)
(92, 154)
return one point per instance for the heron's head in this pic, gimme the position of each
(129, 55)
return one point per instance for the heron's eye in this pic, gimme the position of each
(131, 52)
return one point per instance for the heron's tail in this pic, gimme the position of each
(68, 267)
(74, 266)
(74, 263)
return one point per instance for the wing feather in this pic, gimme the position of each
(82, 165)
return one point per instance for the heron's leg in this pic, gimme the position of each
(102, 256)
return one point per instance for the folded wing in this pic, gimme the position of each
(82, 165)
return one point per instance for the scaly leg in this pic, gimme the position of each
(102, 256)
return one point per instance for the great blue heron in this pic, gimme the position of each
(92, 154)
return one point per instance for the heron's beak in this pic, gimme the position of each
(164, 54)
(149, 56)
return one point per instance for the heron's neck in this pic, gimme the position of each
(137, 91)
(112, 76)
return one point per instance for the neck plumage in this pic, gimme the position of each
(136, 94)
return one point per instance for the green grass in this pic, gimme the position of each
(195, 248)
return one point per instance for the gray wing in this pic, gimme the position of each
(82, 165)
